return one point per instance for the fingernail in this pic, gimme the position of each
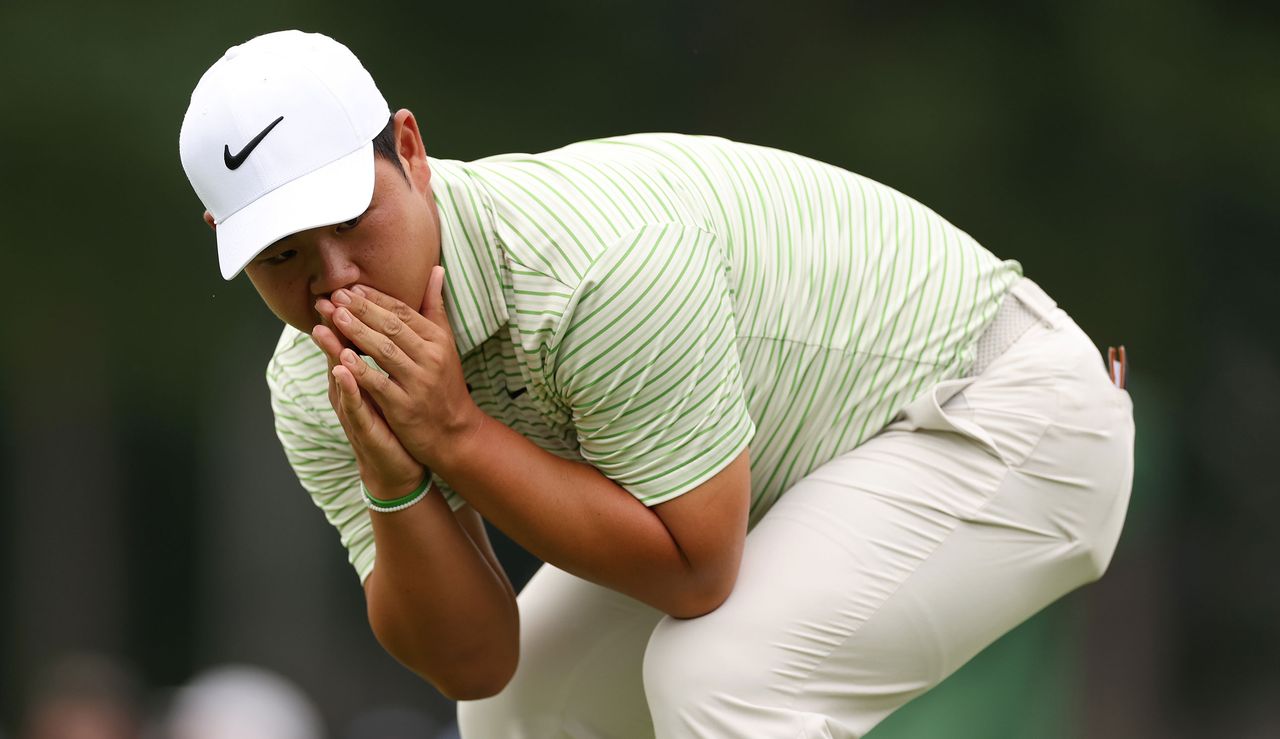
(348, 356)
(341, 297)
(342, 315)
(324, 306)
(359, 291)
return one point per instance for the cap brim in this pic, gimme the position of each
(337, 192)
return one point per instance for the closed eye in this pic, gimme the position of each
(280, 258)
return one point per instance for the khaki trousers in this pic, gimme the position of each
(870, 581)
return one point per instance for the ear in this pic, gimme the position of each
(208, 218)
(413, 153)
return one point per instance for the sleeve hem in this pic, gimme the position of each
(738, 446)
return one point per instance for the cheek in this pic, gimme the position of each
(399, 270)
(288, 298)
(413, 279)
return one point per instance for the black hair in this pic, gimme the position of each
(384, 145)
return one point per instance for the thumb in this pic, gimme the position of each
(433, 301)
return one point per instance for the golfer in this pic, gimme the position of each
(792, 447)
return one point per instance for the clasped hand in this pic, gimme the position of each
(411, 414)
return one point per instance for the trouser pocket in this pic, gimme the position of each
(929, 412)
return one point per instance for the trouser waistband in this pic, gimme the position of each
(1023, 306)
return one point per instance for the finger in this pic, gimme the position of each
(412, 318)
(359, 420)
(376, 445)
(324, 338)
(384, 391)
(357, 409)
(325, 308)
(433, 301)
(393, 322)
(374, 343)
(328, 341)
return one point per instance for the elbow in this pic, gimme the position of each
(694, 607)
(464, 675)
(462, 668)
(473, 682)
(700, 598)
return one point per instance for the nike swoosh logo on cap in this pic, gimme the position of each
(233, 161)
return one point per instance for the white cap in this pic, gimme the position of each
(279, 139)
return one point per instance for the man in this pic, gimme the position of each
(625, 354)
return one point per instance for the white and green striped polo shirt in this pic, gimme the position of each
(654, 304)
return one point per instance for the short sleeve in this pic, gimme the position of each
(646, 361)
(317, 448)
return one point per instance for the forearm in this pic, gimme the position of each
(569, 514)
(681, 558)
(439, 604)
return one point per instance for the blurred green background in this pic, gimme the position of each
(1127, 153)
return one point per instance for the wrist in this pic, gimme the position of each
(392, 505)
(379, 488)
(457, 447)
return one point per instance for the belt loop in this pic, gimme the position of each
(1036, 299)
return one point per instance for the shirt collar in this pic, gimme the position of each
(469, 252)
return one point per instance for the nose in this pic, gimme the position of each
(333, 269)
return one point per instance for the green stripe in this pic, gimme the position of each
(653, 286)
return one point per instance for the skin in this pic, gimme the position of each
(373, 286)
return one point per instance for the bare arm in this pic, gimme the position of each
(437, 599)
(438, 604)
(681, 557)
